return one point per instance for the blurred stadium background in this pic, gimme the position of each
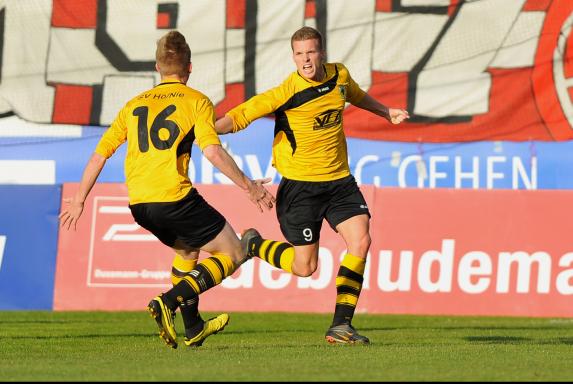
(471, 199)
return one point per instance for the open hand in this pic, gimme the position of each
(396, 115)
(259, 195)
(71, 214)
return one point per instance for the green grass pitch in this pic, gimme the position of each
(124, 346)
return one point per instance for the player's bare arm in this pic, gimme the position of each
(393, 115)
(257, 193)
(75, 205)
(224, 125)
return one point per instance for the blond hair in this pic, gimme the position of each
(173, 54)
(307, 33)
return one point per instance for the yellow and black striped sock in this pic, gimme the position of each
(276, 253)
(348, 286)
(180, 268)
(207, 274)
(190, 308)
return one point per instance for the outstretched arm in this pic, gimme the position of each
(224, 125)
(393, 115)
(75, 205)
(258, 194)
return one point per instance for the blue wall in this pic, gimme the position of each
(29, 232)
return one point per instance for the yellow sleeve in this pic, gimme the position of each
(205, 133)
(115, 136)
(260, 105)
(354, 94)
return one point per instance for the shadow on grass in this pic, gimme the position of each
(566, 340)
(86, 336)
(139, 334)
(41, 322)
(469, 328)
(498, 339)
(518, 340)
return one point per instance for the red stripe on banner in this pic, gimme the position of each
(163, 20)
(234, 95)
(383, 5)
(536, 5)
(236, 10)
(452, 7)
(72, 104)
(310, 9)
(74, 13)
(434, 251)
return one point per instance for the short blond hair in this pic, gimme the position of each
(306, 33)
(173, 54)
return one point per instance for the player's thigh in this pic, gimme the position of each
(145, 214)
(190, 222)
(300, 211)
(346, 202)
(226, 242)
(355, 230)
(185, 251)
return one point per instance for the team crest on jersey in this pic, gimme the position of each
(342, 90)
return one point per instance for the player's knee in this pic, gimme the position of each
(238, 257)
(366, 242)
(305, 270)
(361, 246)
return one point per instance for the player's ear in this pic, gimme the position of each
(190, 67)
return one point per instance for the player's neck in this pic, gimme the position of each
(320, 74)
(172, 79)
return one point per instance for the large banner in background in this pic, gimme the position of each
(466, 70)
(28, 239)
(441, 251)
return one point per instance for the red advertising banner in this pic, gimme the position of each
(435, 251)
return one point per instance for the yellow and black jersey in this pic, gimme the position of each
(160, 126)
(309, 142)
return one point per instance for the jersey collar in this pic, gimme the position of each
(169, 82)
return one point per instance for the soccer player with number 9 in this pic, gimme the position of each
(309, 151)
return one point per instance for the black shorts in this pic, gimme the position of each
(191, 220)
(302, 205)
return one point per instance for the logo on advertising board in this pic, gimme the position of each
(121, 253)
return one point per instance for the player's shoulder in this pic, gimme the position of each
(292, 78)
(195, 96)
(194, 93)
(337, 67)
